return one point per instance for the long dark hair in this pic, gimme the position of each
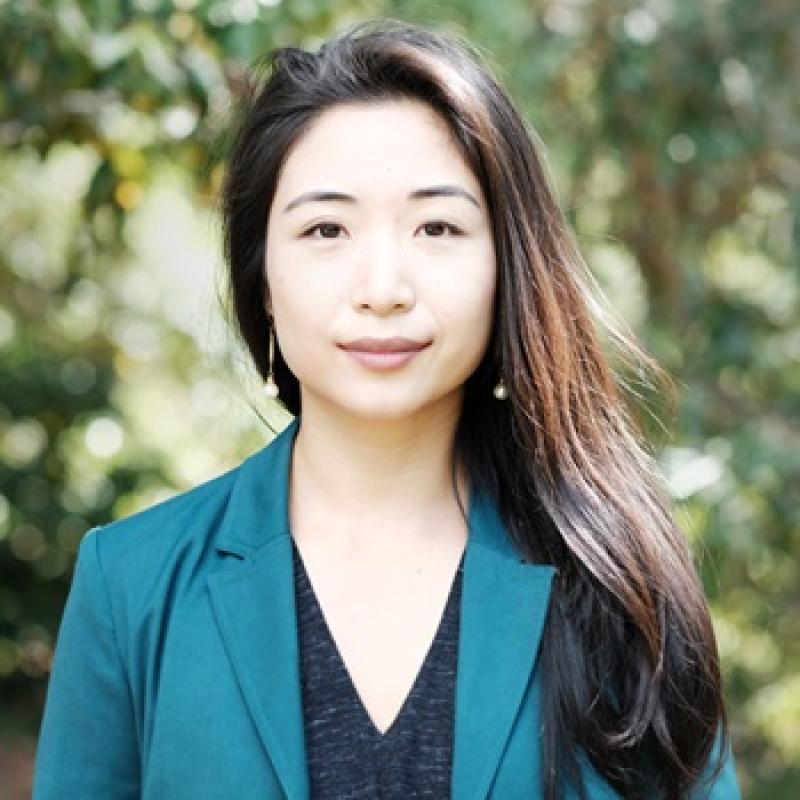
(629, 662)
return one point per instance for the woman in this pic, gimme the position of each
(455, 573)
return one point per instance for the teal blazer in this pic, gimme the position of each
(176, 670)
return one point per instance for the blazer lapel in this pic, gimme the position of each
(504, 604)
(253, 599)
(503, 608)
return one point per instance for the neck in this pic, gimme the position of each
(375, 481)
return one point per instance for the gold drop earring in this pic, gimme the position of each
(270, 387)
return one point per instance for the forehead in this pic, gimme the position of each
(384, 144)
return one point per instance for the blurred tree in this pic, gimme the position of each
(673, 139)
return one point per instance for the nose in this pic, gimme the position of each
(383, 283)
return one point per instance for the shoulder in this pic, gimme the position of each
(186, 515)
(147, 551)
(162, 555)
(236, 512)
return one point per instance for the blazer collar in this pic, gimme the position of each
(503, 607)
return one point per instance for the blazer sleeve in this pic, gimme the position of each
(87, 742)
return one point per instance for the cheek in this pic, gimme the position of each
(483, 307)
(299, 318)
(302, 316)
(468, 323)
(471, 298)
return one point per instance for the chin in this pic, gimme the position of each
(385, 406)
(380, 404)
(383, 412)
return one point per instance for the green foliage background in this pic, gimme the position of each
(672, 130)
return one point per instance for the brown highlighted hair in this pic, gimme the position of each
(629, 664)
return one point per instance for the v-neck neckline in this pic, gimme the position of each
(380, 736)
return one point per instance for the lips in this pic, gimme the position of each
(383, 354)
(395, 344)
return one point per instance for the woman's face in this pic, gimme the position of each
(378, 229)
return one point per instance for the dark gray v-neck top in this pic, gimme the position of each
(348, 757)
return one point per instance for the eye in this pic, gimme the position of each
(327, 230)
(436, 229)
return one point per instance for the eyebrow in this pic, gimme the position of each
(443, 190)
